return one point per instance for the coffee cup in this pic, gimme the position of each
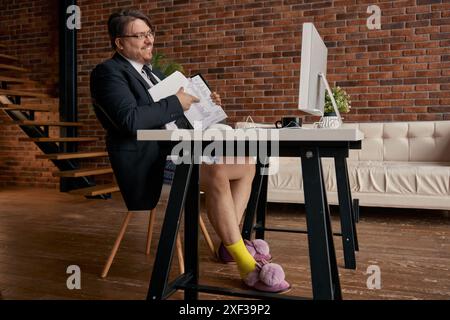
(289, 122)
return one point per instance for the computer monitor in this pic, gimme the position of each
(313, 70)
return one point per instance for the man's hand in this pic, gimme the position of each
(186, 100)
(215, 97)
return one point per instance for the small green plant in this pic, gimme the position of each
(166, 66)
(342, 101)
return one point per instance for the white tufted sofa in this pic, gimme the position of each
(401, 164)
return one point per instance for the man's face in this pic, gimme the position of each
(133, 48)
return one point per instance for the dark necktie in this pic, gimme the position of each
(149, 74)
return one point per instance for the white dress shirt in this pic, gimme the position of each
(138, 66)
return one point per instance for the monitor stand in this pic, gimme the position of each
(330, 93)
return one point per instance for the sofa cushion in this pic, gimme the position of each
(403, 141)
(400, 177)
(392, 177)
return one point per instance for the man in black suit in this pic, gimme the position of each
(119, 88)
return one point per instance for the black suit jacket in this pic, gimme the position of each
(123, 106)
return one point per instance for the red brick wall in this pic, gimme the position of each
(249, 51)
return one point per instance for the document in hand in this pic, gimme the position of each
(203, 113)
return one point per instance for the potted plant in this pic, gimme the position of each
(343, 103)
(342, 99)
(166, 66)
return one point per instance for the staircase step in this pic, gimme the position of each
(26, 107)
(72, 155)
(23, 93)
(96, 190)
(43, 123)
(62, 139)
(15, 80)
(82, 172)
(12, 68)
(7, 56)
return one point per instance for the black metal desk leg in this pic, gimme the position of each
(333, 261)
(355, 221)
(345, 210)
(355, 208)
(321, 266)
(191, 218)
(252, 205)
(163, 259)
(261, 209)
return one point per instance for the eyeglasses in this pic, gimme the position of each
(141, 35)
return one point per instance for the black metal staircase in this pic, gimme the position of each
(61, 150)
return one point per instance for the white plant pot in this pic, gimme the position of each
(331, 122)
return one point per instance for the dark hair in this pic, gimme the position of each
(119, 20)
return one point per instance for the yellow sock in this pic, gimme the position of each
(245, 261)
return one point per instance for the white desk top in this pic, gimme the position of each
(253, 134)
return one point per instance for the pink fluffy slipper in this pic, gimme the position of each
(258, 248)
(267, 277)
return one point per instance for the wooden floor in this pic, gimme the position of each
(42, 232)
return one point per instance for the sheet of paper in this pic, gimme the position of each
(169, 86)
(203, 113)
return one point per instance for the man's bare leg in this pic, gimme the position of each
(221, 207)
(227, 188)
(241, 189)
